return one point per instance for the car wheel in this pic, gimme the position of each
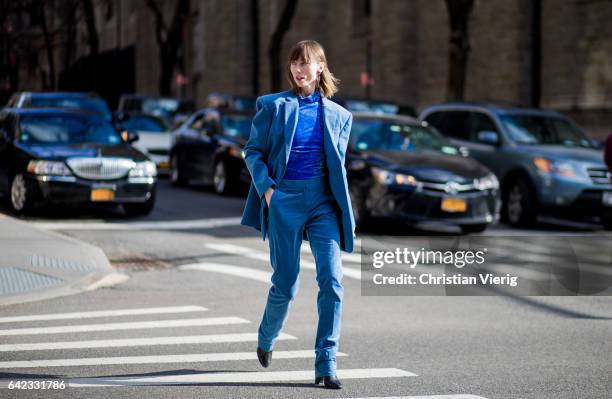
(22, 195)
(474, 228)
(177, 177)
(140, 209)
(360, 213)
(519, 204)
(220, 178)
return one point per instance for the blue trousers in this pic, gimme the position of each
(297, 205)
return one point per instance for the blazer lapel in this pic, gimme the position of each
(329, 121)
(291, 119)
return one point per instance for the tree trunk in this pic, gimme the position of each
(459, 17)
(48, 46)
(92, 32)
(276, 41)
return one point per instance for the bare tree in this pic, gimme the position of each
(459, 12)
(170, 41)
(276, 41)
(92, 31)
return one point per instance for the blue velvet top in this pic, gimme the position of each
(307, 157)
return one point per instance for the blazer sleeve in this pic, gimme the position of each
(343, 138)
(255, 150)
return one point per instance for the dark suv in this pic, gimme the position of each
(544, 162)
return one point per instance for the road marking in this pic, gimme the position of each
(244, 272)
(153, 225)
(132, 342)
(212, 321)
(103, 313)
(240, 377)
(425, 397)
(187, 358)
(259, 255)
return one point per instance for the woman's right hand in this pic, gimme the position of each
(268, 195)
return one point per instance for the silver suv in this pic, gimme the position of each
(544, 162)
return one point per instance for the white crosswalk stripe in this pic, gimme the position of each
(240, 377)
(264, 256)
(133, 342)
(103, 313)
(188, 358)
(212, 321)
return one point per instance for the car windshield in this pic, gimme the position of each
(144, 123)
(532, 129)
(166, 107)
(93, 104)
(371, 106)
(388, 136)
(236, 125)
(66, 129)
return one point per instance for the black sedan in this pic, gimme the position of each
(72, 157)
(400, 168)
(207, 149)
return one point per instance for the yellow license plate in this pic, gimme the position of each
(102, 194)
(454, 205)
(164, 165)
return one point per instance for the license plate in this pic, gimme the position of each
(164, 165)
(607, 198)
(102, 194)
(454, 205)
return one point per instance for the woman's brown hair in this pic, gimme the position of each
(310, 50)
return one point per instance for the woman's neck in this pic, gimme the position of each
(305, 92)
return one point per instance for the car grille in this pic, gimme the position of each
(158, 151)
(449, 187)
(599, 175)
(100, 168)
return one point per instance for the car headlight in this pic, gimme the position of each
(144, 169)
(383, 176)
(552, 167)
(488, 182)
(48, 168)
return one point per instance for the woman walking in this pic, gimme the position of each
(295, 154)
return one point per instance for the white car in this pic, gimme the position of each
(155, 137)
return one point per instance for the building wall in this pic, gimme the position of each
(409, 49)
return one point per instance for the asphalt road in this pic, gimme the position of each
(180, 286)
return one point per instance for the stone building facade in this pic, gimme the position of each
(404, 44)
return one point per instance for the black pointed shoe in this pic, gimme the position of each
(265, 358)
(329, 381)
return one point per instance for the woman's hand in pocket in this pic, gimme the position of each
(268, 195)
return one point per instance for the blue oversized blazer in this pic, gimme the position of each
(267, 152)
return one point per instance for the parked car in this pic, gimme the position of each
(544, 161)
(355, 104)
(73, 157)
(75, 100)
(400, 168)
(173, 110)
(225, 100)
(155, 137)
(207, 149)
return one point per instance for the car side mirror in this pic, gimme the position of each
(488, 137)
(129, 137)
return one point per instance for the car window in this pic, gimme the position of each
(455, 124)
(66, 129)
(144, 123)
(236, 125)
(482, 122)
(390, 136)
(536, 129)
(93, 104)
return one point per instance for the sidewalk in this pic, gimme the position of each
(37, 265)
